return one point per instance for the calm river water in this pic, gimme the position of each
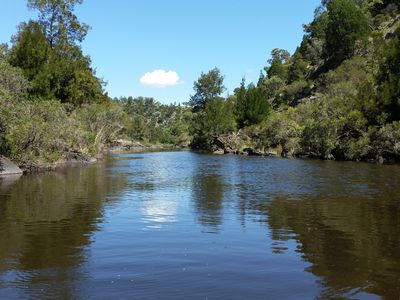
(182, 225)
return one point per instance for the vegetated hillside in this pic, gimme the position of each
(52, 103)
(336, 97)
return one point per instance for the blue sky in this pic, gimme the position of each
(179, 38)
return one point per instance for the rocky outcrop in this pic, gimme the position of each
(7, 167)
(121, 146)
(224, 144)
(391, 28)
(232, 143)
(70, 158)
(75, 157)
(252, 152)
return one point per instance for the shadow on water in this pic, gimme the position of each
(46, 223)
(348, 228)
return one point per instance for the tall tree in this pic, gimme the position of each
(278, 63)
(58, 20)
(215, 119)
(388, 98)
(209, 86)
(48, 53)
(346, 25)
(251, 105)
(30, 49)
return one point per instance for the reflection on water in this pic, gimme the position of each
(179, 225)
(158, 212)
(45, 226)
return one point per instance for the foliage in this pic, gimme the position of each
(336, 97)
(281, 130)
(251, 106)
(153, 122)
(292, 93)
(51, 102)
(47, 53)
(386, 141)
(346, 25)
(388, 95)
(13, 88)
(59, 22)
(209, 86)
(102, 122)
(217, 118)
(278, 64)
(36, 132)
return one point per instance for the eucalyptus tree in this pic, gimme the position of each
(59, 22)
(209, 86)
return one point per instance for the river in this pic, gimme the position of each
(184, 225)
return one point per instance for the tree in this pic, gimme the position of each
(217, 118)
(59, 22)
(208, 86)
(13, 87)
(298, 69)
(279, 54)
(54, 63)
(388, 97)
(251, 105)
(30, 49)
(346, 25)
(278, 63)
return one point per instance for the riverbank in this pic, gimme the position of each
(119, 146)
(243, 144)
(71, 158)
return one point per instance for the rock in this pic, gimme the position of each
(125, 146)
(7, 167)
(271, 154)
(75, 157)
(225, 143)
(219, 151)
(252, 152)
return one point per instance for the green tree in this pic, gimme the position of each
(59, 22)
(59, 70)
(298, 69)
(13, 90)
(388, 94)
(346, 25)
(209, 86)
(217, 118)
(278, 64)
(30, 50)
(251, 105)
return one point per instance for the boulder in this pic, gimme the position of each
(7, 167)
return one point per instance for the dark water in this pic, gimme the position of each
(181, 225)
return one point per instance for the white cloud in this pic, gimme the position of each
(160, 78)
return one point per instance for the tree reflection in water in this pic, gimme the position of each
(46, 223)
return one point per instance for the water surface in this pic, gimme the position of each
(182, 225)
